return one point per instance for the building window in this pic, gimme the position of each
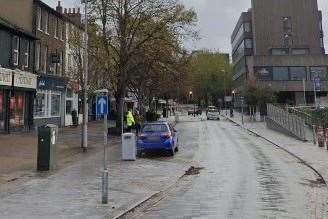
(287, 24)
(280, 73)
(300, 51)
(46, 22)
(247, 27)
(320, 71)
(297, 73)
(40, 105)
(26, 54)
(55, 104)
(240, 51)
(279, 51)
(37, 56)
(56, 27)
(45, 59)
(248, 43)
(39, 19)
(15, 50)
(62, 30)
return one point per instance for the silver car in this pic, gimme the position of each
(213, 114)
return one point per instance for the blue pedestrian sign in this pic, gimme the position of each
(102, 105)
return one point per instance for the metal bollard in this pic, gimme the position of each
(314, 134)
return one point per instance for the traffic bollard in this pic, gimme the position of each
(314, 135)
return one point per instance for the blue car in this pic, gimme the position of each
(157, 136)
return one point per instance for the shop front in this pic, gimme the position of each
(49, 103)
(17, 90)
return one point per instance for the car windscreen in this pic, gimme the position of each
(155, 128)
(213, 110)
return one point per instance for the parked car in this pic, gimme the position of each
(213, 113)
(157, 136)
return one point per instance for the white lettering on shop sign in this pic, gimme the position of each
(5, 77)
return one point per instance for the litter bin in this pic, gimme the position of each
(47, 139)
(129, 149)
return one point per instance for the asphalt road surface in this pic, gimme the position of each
(243, 177)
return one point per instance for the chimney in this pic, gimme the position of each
(78, 10)
(73, 10)
(65, 11)
(69, 10)
(59, 8)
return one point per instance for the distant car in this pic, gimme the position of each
(213, 114)
(157, 136)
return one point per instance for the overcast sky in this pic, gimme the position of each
(217, 19)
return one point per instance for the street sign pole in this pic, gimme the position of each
(242, 111)
(102, 105)
(105, 172)
(315, 94)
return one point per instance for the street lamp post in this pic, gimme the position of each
(225, 90)
(85, 84)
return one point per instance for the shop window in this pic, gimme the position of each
(17, 104)
(40, 105)
(280, 73)
(320, 72)
(55, 104)
(297, 73)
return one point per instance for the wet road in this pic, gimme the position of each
(243, 177)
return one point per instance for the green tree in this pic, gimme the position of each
(211, 76)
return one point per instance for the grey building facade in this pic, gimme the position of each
(278, 44)
(17, 78)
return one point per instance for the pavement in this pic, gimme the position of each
(315, 157)
(74, 189)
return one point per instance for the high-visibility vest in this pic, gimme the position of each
(129, 119)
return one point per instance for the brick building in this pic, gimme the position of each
(57, 94)
(17, 81)
(279, 44)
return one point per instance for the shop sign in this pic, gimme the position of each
(47, 82)
(25, 80)
(5, 77)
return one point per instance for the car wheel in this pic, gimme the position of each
(171, 152)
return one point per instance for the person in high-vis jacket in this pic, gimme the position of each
(129, 121)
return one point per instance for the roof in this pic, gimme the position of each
(5, 23)
(58, 14)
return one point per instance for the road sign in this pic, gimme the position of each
(102, 105)
(317, 83)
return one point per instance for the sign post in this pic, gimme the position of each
(102, 110)
(317, 88)
(242, 110)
